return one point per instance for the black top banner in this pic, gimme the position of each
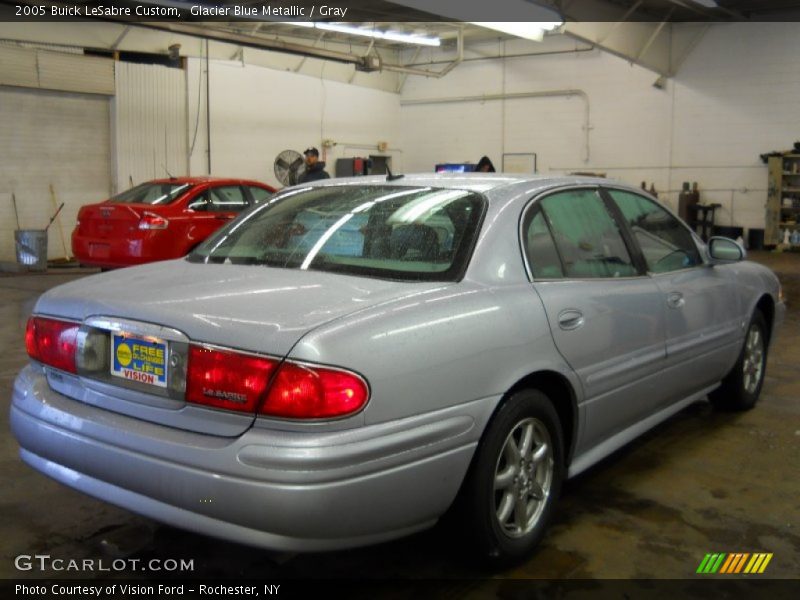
(382, 10)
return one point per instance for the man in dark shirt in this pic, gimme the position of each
(315, 168)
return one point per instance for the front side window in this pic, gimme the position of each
(259, 194)
(152, 193)
(587, 237)
(666, 244)
(416, 233)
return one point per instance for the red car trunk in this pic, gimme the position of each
(109, 220)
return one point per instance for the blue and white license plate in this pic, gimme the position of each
(139, 359)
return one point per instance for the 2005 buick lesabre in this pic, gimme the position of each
(346, 362)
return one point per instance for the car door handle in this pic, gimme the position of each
(570, 319)
(675, 300)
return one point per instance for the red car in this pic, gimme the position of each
(160, 219)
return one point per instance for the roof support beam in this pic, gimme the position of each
(654, 35)
(624, 18)
(660, 47)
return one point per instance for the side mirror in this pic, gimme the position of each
(725, 250)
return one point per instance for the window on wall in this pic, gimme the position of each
(587, 237)
(666, 244)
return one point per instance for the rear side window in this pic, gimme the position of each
(666, 244)
(589, 242)
(227, 198)
(541, 250)
(152, 193)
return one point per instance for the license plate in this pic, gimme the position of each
(139, 359)
(99, 250)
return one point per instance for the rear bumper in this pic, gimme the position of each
(284, 490)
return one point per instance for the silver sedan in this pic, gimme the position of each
(347, 362)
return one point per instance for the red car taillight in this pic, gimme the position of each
(227, 379)
(52, 342)
(305, 392)
(236, 381)
(153, 221)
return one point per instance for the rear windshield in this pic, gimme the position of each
(414, 233)
(152, 193)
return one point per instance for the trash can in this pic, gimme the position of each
(755, 239)
(32, 248)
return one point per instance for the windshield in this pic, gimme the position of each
(416, 233)
(152, 193)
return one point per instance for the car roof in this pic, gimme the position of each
(475, 182)
(205, 179)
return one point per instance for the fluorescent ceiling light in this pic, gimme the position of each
(529, 31)
(392, 36)
(707, 3)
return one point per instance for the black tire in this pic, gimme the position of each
(497, 540)
(741, 387)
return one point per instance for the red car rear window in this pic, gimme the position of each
(153, 193)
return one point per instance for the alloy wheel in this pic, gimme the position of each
(753, 363)
(523, 477)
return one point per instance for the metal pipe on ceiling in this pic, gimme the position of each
(252, 41)
(292, 48)
(435, 74)
(501, 57)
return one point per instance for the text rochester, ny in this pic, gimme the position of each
(125, 589)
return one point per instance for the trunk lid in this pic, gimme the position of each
(109, 220)
(250, 308)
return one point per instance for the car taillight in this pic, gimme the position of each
(226, 378)
(306, 392)
(52, 342)
(232, 380)
(152, 221)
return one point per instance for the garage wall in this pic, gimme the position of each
(734, 98)
(149, 123)
(257, 112)
(64, 71)
(628, 130)
(50, 138)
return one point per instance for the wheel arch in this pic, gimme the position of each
(561, 393)
(766, 305)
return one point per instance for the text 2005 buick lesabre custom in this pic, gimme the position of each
(342, 364)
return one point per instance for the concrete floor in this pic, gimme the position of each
(701, 482)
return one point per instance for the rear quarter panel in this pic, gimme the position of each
(752, 282)
(450, 346)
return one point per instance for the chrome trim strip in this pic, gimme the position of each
(137, 328)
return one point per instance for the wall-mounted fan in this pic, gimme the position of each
(289, 165)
